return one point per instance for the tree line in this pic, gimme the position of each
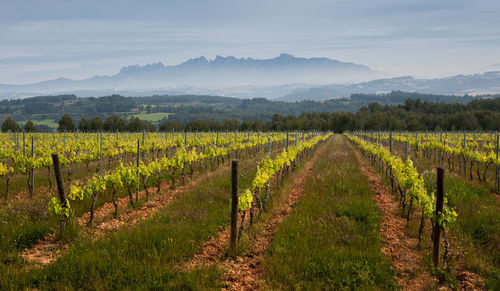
(66, 123)
(188, 108)
(414, 114)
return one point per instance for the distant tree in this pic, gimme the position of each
(488, 120)
(149, 126)
(247, 124)
(413, 124)
(115, 123)
(258, 125)
(43, 128)
(83, 125)
(197, 125)
(29, 126)
(374, 107)
(96, 124)
(465, 121)
(231, 124)
(135, 124)
(66, 123)
(10, 124)
(169, 125)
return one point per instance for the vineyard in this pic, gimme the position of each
(250, 210)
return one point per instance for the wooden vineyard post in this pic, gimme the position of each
(465, 146)
(439, 209)
(32, 170)
(390, 142)
(441, 154)
(184, 166)
(403, 200)
(60, 186)
(100, 156)
(269, 147)
(268, 189)
(17, 140)
(497, 177)
(137, 165)
(390, 151)
(246, 148)
(287, 141)
(234, 206)
(406, 149)
(235, 153)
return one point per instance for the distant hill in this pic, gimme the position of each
(203, 73)
(46, 110)
(477, 84)
(284, 78)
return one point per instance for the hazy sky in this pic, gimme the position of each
(42, 40)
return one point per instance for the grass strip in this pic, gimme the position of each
(331, 240)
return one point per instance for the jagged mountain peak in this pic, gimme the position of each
(284, 59)
(219, 72)
(198, 60)
(136, 68)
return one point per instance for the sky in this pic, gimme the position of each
(42, 40)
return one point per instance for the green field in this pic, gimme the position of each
(48, 122)
(152, 117)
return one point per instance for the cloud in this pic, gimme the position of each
(99, 37)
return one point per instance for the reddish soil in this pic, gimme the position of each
(397, 245)
(49, 249)
(245, 273)
(467, 280)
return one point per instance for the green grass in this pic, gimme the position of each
(24, 221)
(331, 240)
(477, 230)
(146, 255)
(153, 117)
(477, 227)
(48, 122)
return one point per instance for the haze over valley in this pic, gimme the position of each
(286, 78)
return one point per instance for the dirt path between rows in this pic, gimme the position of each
(397, 246)
(245, 273)
(467, 279)
(49, 249)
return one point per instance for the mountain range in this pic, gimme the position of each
(219, 73)
(286, 78)
(476, 84)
